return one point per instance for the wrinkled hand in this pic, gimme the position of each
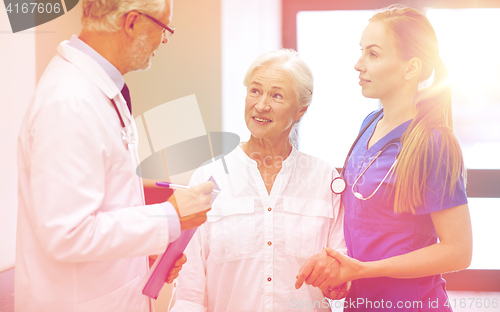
(337, 293)
(174, 272)
(193, 204)
(321, 270)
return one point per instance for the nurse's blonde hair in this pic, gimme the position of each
(415, 37)
(106, 15)
(289, 61)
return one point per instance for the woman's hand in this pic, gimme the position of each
(338, 292)
(320, 270)
(350, 269)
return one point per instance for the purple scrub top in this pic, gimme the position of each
(373, 231)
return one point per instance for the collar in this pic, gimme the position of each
(90, 67)
(111, 70)
(244, 158)
(396, 132)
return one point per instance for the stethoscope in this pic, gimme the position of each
(339, 185)
(128, 137)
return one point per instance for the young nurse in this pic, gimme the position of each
(406, 214)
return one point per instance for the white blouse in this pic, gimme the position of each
(248, 253)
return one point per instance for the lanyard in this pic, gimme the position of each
(127, 138)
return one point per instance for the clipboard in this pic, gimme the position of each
(158, 273)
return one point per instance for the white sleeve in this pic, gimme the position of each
(190, 291)
(190, 288)
(67, 183)
(336, 234)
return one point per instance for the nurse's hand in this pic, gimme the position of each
(174, 272)
(337, 293)
(350, 269)
(193, 204)
(319, 270)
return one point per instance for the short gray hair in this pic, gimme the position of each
(105, 15)
(288, 60)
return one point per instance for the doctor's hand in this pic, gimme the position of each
(174, 272)
(193, 204)
(321, 270)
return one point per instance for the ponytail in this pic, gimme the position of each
(432, 124)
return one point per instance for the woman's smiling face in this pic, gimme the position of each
(271, 104)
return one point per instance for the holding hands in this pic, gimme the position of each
(320, 270)
(330, 271)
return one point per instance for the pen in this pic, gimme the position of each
(178, 186)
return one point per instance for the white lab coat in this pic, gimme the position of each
(83, 231)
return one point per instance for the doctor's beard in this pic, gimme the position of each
(140, 55)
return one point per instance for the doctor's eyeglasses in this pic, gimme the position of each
(167, 30)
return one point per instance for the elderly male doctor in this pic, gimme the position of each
(84, 233)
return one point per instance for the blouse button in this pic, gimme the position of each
(269, 209)
(268, 279)
(269, 243)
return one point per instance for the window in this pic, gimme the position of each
(327, 34)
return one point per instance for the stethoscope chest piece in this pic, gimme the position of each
(338, 185)
(127, 133)
(128, 139)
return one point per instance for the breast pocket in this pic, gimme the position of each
(307, 224)
(232, 229)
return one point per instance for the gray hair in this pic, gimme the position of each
(288, 60)
(105, 15)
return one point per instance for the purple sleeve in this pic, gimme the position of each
(437, 192)
(174, 225)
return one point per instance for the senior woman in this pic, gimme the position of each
(275, 209)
